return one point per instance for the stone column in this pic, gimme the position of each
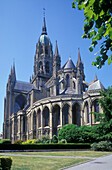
(42, 127)
(21, 127)
(91, 115)
(51, 126)
(82, 117)
(70, 114)
(61, 115)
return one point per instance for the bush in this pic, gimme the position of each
(62, 141)
(18, 142)
(42, 139)
(70, 132)
(54, 139)
(102, 146)
(5, 141)
(30, 141)
(5, 163)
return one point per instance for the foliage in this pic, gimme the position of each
(5, 141)
(88, 134)
(69, 132)
(106, 104)
(18, 142)
(42, 139)
(30, 141)
(54, 139)
(62, 141)
(98, 27)
(102, 146)
(5, 163)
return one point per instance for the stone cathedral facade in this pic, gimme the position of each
(55, 95)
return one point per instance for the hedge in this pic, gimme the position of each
(5, 163)
(45, 146)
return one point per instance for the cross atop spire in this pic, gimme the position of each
(44, 30)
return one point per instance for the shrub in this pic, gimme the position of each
(70, 132)
(102, 146)
(30, 141)
(42, 139)
(62, 141)
(54, 139)
(5, 141)
(18, 142)
(6, 163)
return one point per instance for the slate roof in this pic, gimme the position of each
(97, 85)
(24, 86)
(69, 64)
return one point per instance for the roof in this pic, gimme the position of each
(24, 86)
(69, 64)
(96, 85)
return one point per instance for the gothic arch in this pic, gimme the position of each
(47, 67)
(39, 117)
(76, 114)
(86, 112)
(67, 80)
(46, 116)
(65, 114)
(55, 118)
(34, 124)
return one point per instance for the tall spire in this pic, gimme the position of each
(44, 30)
(96, 77)
(56, 49)
(79, 57)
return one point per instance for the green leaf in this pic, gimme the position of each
(102, 12)
(90, 49)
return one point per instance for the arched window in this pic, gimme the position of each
(74, 85)
(67, 81)
(65, 112)
(40, 66)
(39, 118)
(46, 50)
(47, 67)
(87, 111)
(46, 116)
(41, 51)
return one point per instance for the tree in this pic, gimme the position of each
(98, 27)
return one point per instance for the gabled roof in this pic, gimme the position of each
(69, 64)
(96, 85)
(24, 86)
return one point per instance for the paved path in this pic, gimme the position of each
(102, 163)
(49, 156)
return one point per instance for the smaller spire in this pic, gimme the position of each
(79, 57)
(56, 49)
(96, 77)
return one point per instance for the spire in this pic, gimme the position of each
(79, 57)
(56, 49)
(96, 77)
(44, 30)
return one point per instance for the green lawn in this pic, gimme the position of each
(34, 163)
(45, 163)
(68, 153)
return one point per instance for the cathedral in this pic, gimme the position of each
(53, 97)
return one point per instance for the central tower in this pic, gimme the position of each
(43, 61)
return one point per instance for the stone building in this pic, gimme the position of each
(55, 95)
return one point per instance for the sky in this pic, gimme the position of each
(20, 27)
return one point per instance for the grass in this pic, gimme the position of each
(68, 153)
(34, 163)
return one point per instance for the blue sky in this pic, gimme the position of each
(20, 27)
